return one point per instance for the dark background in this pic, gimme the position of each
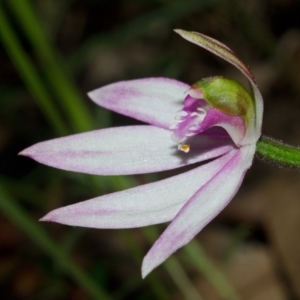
(70, 47)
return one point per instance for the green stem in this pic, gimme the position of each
(15, 212)
(278, 153)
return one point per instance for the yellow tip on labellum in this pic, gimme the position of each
(185, 148)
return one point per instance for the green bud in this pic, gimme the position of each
(226, 95)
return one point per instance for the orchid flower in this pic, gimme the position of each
(215, 120)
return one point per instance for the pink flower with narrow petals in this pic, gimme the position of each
(215, 119)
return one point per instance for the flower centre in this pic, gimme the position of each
(214, 101)
(188, 121)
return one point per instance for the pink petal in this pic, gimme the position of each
(141, 206)
(151, 100)
(221, 50)
(124, 150)
(234, 125)
(204, 205)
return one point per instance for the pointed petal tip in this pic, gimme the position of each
(90, 93)
(29, 151)
(151, 262)
(146, 268)
(179, 31)
(45, 219)
(144, 274)
(24, 152)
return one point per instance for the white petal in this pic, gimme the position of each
(148, 204)
(151, 100)
(209, 200)
(124, 150)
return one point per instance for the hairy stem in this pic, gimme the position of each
(278, 153)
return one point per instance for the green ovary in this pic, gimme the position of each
(227, 95)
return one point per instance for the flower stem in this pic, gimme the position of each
(278, 153)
